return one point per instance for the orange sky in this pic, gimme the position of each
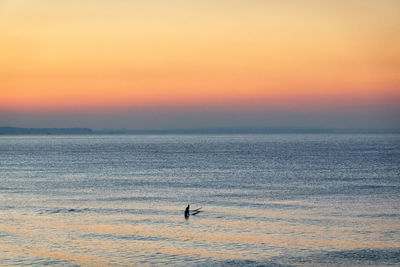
(60, 56)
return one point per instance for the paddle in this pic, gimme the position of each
(195, 211)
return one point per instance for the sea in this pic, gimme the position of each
(265, 199)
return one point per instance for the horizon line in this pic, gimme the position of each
(11, 130)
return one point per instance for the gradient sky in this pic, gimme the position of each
(200, 64)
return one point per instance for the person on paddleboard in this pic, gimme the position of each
(187, 212)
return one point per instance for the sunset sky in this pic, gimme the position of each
(200, 64)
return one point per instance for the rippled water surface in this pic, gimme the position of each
(266, 199)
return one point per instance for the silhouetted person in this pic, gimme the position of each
(187, 214)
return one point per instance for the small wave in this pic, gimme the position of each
(35, 261)
(380, 215)
(374, 186)
(5, 188)
(4, 234)
(130, 198)
(374, 255)
(349, 257)
(7, 207)
(249, 263)
(115, 237)
(65, 210)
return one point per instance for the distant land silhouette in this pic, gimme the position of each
(44, 131)
(67, 131)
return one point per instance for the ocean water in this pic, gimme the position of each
(267, 200)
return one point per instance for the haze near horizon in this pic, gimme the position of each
(206, 64)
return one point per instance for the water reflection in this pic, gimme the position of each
(84, 237)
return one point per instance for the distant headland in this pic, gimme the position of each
(43, 131)
(7, 130)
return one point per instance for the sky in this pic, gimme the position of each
(200, 64)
